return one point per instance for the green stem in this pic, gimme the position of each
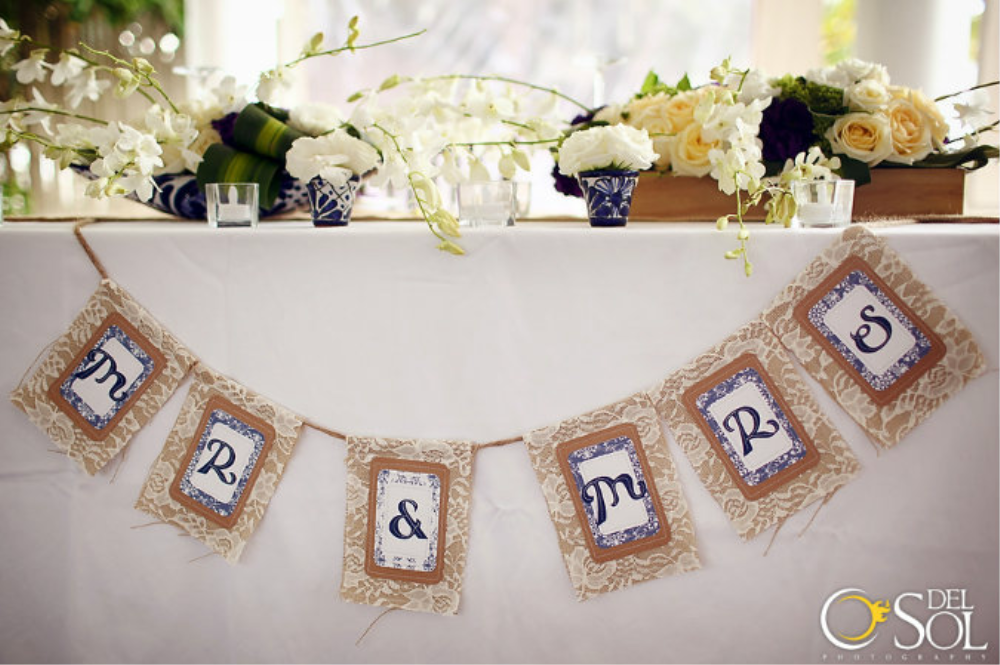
(148, 80)
(55, 112)
(336, 51)
(505, 79)
(29, 40)
(962, 92)
(409, 180)
(513, 142)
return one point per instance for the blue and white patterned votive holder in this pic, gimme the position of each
(608, 195)
(332, 205)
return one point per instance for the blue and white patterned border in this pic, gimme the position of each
(817, 317)
(652, 525)
(80, 406)
(388, 477)
(222, 417)
(750, 376)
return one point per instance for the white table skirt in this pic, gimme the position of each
(369, 330)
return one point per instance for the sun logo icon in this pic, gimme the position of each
(878, 610)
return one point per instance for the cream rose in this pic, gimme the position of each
(867, 95)
(911, 133)
(927, 106)
(689, 152)
(604, 147)
(651, 113)
(861, 136)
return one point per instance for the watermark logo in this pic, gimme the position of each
(941, 619)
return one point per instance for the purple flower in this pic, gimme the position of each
(565, 184)
(225, 126)
(786, 129)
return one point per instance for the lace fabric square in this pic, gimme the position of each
(753, 432)
(875, 337)
(221, 463)
(103, 379)
(618, 450)
(406, 532)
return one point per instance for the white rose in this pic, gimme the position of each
(867, 95)
(926, 106)
(603, 147)
(853, 70)
(862, 136)
(335, 157)
(315, 118)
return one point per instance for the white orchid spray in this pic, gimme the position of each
(457, 127)
(122, 157)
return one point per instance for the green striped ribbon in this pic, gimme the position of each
(259, 132)
(224, 164)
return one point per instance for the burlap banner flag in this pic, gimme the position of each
(614, 497)
(221, 464)
(874, 336)
(753, 432)
(407, 529)
(103, 379)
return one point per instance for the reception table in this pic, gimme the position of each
(369, 330)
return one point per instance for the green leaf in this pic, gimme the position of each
(684, 84)
(970, 159)
(649, 84)
(356, 96)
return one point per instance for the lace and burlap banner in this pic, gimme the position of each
(874, 336)
(614, 497)
(753, 432)
(104, 378)
(407, 529)
(221, 464)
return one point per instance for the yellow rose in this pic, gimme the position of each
(935, 119)
(911, 133)
(862, 136)
(689, 152)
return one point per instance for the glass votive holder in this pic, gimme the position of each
(486, 203)
(823, 203)
(522, 199)
(232, 204)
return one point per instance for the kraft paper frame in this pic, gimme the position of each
(90, 449)
(357, 586)
(156, 498)
(589, 577)
(837, 464)
(886, 423)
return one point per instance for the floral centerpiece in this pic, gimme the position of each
(756, 134)
(606, 160)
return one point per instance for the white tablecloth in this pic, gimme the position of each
(370, 330)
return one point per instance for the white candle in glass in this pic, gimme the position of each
(231, 210)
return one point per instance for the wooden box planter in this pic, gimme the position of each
(893, 192)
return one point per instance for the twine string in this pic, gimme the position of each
(822, 503)
(775, 534)
(372, 625)
(78, 232)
